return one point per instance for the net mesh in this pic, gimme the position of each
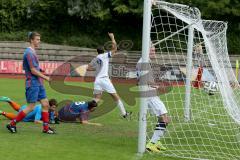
(213, 131)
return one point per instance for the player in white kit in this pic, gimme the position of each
(155, 107)
(102, 80)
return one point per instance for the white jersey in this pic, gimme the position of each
(102, 81)
(150, 76)
(139, 72)
(155, 105)
(101, 64)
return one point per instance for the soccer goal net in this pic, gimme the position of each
(203, 102)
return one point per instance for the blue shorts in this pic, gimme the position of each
(35, 93)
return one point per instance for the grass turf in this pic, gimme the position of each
(117, 138)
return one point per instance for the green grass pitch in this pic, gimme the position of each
(116, 139)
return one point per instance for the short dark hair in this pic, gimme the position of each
(92, 104)
(53, 102)
(32, 35)
(100, 49)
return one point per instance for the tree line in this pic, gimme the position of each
(86, 22)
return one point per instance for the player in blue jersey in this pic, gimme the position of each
(33, 116)
(35, 90)
(74, 111)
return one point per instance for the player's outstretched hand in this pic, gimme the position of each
(111, 35)
(91, 123)
(98, 124)
(154, 2)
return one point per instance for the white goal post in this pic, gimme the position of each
(203, 126)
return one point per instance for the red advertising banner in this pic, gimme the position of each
(15, 67)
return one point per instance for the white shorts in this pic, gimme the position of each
(156, 106)
(103, 84)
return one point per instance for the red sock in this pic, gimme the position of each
(45, 119)
(21, 115)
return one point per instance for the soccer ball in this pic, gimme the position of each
(210, 87)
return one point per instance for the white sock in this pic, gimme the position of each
(121, 107)
(156, 136)
(158, 132)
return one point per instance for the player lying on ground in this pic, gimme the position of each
(155, 107)
(102, 81)
(77, 111)
(34, 116)
(53, 112)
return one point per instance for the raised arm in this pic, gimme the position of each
(114, 44)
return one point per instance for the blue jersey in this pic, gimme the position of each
(74, 111)
(30, 60)
(35, 115)
(78, 107)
